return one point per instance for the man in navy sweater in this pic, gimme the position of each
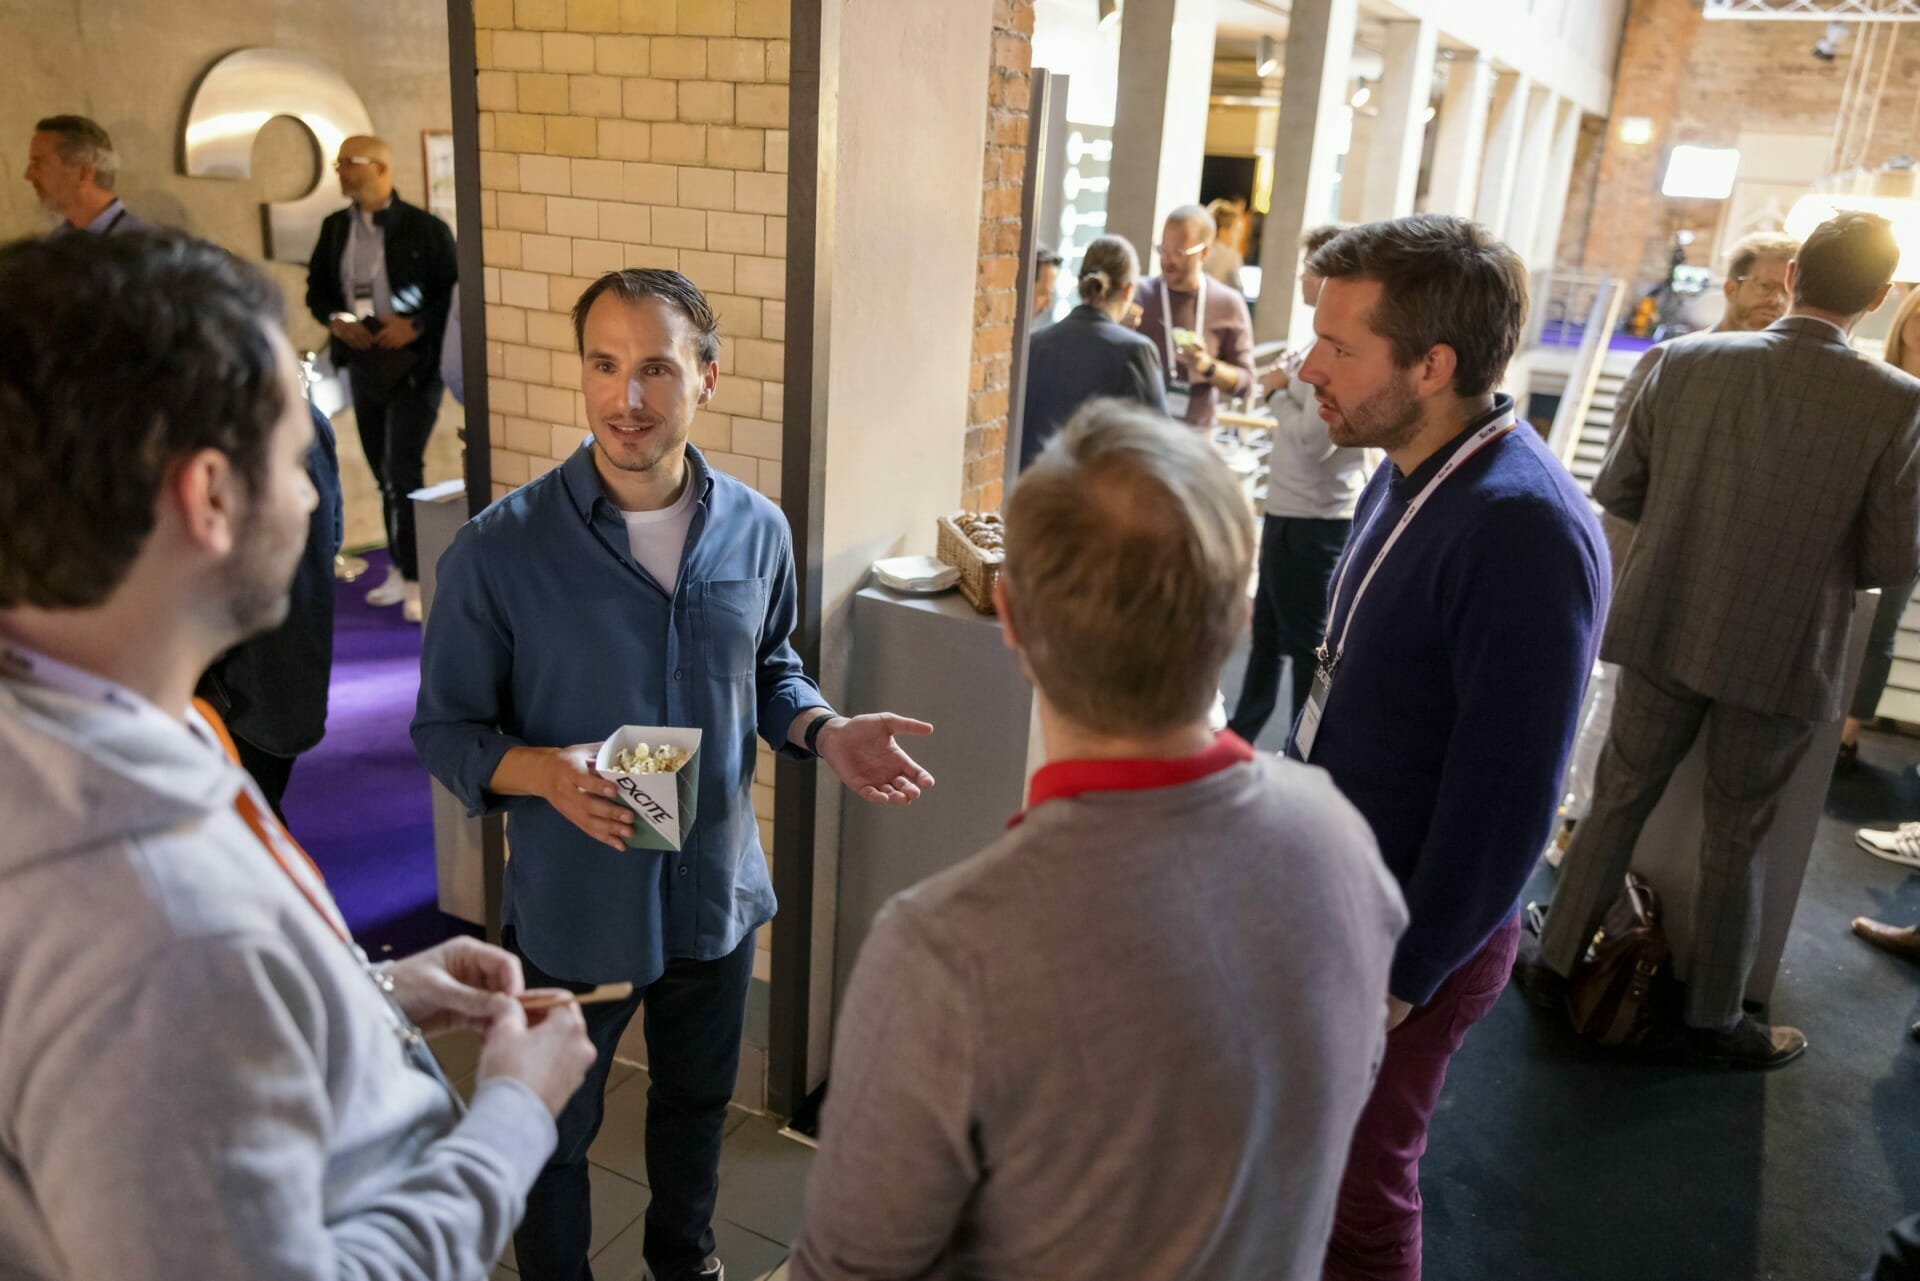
(1463, 622)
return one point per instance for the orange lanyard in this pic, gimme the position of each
(256, 822)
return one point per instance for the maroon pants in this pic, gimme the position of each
(1376, 1229)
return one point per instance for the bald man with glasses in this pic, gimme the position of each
(1200, 327)
(381, 280)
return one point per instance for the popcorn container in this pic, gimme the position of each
(665, 804)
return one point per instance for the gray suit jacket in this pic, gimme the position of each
(1771, 475)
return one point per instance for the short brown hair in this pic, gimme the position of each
(1844, 262)
(1314, 237)
(1108, 266)
(120, 356)
(670, 287)
(1752, 248)
(1129, 549)
(1445, 281)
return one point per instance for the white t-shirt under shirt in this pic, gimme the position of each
(656, 539)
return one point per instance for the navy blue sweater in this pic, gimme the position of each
(1455, 704)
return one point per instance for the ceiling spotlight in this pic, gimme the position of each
(1109, 12)
(1360, 96)
(1267, 61)
(1432, 111)
(1828, 45)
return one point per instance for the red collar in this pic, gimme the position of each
(1065, 779)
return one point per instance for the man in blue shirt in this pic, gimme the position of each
(72, 165)
(634, 585)
(1462, 625)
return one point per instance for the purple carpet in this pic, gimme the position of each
(359, 802)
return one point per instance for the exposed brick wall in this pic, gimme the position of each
(1703, 82)
(634, 133)
(1009, 83)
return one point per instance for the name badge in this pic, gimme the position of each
(1309, 727)
(363, 301)
(1179, 400)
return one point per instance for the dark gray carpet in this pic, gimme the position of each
(1550, 1159)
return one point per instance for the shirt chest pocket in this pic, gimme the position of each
(733, 610)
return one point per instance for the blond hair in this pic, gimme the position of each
(1751, 248)
(1896, 335)
(1129, 549)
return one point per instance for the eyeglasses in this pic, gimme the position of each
(348, 161)
(1170, 251)
(1770, 291)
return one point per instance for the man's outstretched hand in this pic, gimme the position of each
(864, 752)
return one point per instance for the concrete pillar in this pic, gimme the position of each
(1501, 166)
(1351, 203)
(1546, 240)
(1536, 164)
(1461, 142)
(1400, 131)
(1160, 115)
(1313, 98)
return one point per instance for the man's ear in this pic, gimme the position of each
(1003, 607)
(1436, 371)
(708, 382)
(204, 492)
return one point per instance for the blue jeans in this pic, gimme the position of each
(695, 1014)
(1297, 558)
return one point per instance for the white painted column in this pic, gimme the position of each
(1461, 143)
(1546, 240)
(1536, 166)
(1160, 114)
(1502, 163)
(1313, 100)
(1400, 132)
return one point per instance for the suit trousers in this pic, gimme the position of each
(1376, 1223)
(394, 427)
(1750, 757)
(694, 1016)
(1297, 559)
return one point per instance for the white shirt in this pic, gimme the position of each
(363, 263)
(656, 539)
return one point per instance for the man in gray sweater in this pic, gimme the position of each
(1131, 1038)
(200, 1074)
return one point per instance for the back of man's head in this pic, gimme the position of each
(1444, 280)
(1845, 264)
(1129, 548)
(83, 142)
(119, 357)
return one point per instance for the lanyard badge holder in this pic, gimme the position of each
(1179, 386)
(1327, 654)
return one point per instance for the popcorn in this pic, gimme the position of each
(639, 759)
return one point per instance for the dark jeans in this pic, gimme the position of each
(1297, 557)
(1879, 660)
(1376, 1227)
(269, 771)
(695, 1014)
(394, 427)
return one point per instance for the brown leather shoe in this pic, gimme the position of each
(1901, 940)
(1751, 1044)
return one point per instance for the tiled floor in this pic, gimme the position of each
(763, 1180)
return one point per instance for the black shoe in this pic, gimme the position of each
(1914, 1031)
(1538, 983)
(1751, 1044)
(1847, 760)
(710, 1269)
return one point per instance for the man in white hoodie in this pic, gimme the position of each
(200, 1074)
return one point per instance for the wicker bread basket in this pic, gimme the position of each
(979, 569)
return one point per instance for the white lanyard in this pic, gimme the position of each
(1166, 318)
(1329, 654)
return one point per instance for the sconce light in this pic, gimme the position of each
(1360, 96)
(1109, 13)
(1636, 131)
(1268, 60)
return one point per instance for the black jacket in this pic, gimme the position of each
(1084, 356)
(421, 270)
(272, 690)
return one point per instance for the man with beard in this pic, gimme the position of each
(1462, 624)
(72, 166)
(200, 1074)
(635, 585)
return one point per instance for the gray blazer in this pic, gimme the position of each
(1770, 475)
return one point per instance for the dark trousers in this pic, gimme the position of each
(1297, 558)
(269, 771)
(394, 427)
(1376, 1226)
(1878, 664)
(1750, 757)
(695, 1014)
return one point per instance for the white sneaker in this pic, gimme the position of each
(390, 592)
(1901, 845)
(410, 601)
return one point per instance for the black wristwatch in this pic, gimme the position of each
(812, 735)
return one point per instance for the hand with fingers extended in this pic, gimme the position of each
(545, 1050)
(864, 752)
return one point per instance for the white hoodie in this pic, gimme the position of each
(197, 1076)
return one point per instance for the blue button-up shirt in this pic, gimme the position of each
(546, 632)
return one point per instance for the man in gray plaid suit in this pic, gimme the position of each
(1770, 475)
